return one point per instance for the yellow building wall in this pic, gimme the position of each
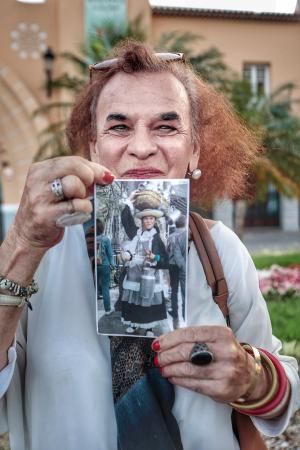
(21, 80)
(242, 41)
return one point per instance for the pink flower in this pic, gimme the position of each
(283, 280)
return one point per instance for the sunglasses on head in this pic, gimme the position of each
(111, 63)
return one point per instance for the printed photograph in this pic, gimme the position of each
(139, 252)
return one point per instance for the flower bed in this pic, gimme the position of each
(277, 280)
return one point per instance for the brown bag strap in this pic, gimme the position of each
(210, 260)
(248, 436)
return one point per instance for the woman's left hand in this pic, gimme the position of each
(225, 379)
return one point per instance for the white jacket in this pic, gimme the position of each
(56, 390)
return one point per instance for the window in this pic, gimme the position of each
(258, 76)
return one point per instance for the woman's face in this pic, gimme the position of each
(144, 127)
(148, 222)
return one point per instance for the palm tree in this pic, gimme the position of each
(278, 128)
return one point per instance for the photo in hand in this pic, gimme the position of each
(140, 256)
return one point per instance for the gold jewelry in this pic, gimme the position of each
(255, 375)
(267, 363)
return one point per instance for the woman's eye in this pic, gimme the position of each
(166, 128)
(120, 127)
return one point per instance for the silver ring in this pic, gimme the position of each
(200, 354)
(57, 189)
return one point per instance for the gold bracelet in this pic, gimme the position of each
(256, 374)
(267, 363)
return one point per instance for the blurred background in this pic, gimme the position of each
(247, 49)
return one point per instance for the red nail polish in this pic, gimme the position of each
(155, 346)
(108, 177)
(156, 362)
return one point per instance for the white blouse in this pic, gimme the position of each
(56, 390)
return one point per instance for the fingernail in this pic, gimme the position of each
(108, 177)
(155, 346)
(156, 362)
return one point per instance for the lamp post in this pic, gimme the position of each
(48, 58)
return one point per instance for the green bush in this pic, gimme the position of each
(285, 316)
(284, 260)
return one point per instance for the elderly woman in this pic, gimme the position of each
(142, 116)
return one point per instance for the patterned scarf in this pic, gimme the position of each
(143, 399)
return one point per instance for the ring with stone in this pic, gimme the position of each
(200, 354)
(57, 189)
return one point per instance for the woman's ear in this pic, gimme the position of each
(94, 154)
(193, 164)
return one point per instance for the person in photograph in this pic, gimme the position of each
(62, 386)
(143, 302)
(105, 263)
(177, 267)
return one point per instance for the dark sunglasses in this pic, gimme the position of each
(111, 63)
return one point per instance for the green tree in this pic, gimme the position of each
(277, 126)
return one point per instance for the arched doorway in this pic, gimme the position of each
(19, 135)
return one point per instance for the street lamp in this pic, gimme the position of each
(48, 58)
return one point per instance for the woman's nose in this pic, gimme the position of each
(141, 144)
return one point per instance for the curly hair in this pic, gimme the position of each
(227, 147)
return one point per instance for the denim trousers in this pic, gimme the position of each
(103, 275)
(177, 277)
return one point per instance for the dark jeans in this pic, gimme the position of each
(177, 276)
(103, 275)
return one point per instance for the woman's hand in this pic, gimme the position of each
(149, 255)
(35, 222)
(225, 379)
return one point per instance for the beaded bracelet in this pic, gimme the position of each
(16, 291)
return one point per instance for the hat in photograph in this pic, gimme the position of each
(149, 212)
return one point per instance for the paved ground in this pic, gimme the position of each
(270, 240)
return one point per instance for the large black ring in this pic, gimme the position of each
(201, 355)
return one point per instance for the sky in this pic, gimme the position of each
(274, 6)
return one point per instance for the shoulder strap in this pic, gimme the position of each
(210, 260)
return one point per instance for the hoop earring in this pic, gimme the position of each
(195, 175)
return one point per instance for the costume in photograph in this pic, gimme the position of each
(143, 301)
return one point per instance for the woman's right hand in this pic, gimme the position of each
(35, 222)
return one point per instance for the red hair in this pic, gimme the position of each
(227, 147)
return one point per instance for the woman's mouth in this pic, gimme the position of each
(148, 172)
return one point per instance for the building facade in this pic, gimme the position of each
(262, 47)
